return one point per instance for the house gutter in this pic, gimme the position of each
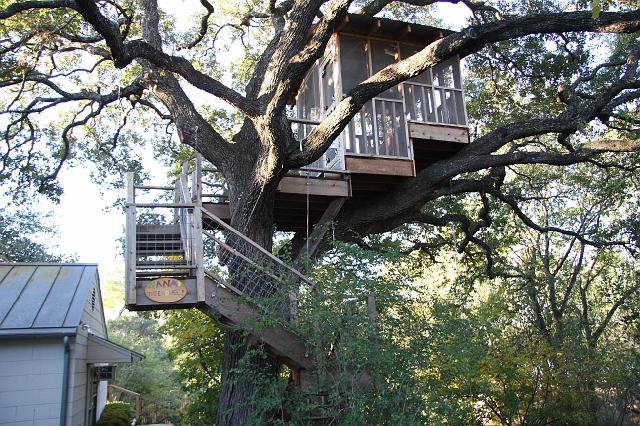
(65, 381)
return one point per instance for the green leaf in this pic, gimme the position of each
(596, 8)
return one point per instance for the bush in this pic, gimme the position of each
(116, 413)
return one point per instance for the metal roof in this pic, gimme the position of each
(102, 350)
(43, 298)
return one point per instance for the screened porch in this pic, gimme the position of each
(382, 128)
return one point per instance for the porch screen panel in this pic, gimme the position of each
(308, 100)
(392, 139)
(354, 62)
(328, 85)
(359, 132)
(383, 54)
(447, 86)
(422, 78)
(419, 102)
(354, 65)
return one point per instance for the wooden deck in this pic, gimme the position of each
(308, 196)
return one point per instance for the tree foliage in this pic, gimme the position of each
(154, 377)
(21, 234)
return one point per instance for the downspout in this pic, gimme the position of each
(65, 382)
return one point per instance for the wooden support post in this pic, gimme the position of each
(138, 406)
(198, 243)
(198, 252)
(130, 242)
(373, 314)
(197, 184)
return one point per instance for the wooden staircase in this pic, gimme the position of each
(236, 281)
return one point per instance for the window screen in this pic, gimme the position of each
(308, 101)
(424, 77)
(447, 74)
(328, 86)
(383, 54)
(354, 62)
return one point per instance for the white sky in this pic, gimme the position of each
(91, 233)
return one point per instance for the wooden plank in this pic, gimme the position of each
(379, 166)
(198, 252)
(438, 132)
(221, 210)
(314, 186)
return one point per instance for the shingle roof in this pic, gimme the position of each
(43, 298)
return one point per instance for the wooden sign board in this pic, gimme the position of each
(165, 293)
(165, 290)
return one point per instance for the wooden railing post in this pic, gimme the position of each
(130, 241)
(373, 315)
(196, 184)
(198, 252)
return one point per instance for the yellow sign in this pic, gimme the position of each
(165, 290)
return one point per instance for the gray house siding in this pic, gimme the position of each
(78, 382)
(93, 315)
(30, 381)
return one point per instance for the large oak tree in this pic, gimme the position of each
(84, 64)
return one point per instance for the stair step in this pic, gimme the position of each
(160, 263)
(158, 237)
(182, 273)
(158, 245)
(158, 229)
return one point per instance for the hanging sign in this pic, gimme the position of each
(165, 290)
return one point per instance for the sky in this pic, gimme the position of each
(86, 227)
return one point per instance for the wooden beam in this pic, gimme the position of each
(438, 132)
(379, 166)
(406, 30)
(314, 186)
(375, 27)
(223, 211)
(342, 24)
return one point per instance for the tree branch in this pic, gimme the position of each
(23, 6)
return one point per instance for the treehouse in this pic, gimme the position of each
(395, 135)
(182, 253)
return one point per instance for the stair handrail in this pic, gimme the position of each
(255, 245)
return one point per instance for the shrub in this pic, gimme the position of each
(116, 413)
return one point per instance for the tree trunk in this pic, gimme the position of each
(241, 379)
(244, 372)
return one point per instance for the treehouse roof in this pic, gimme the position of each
(391, 29)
